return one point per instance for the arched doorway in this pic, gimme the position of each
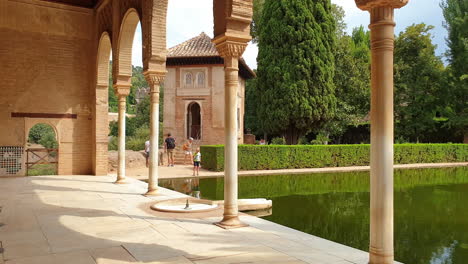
(194, 120)
(42, 151)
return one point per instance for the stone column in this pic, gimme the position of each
(154, 79)
(231, 51)
(122, 92)
(381, 160)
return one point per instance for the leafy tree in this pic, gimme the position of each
(456, 17)
(339, 15)
(256, 19)
(44, 135)
(418, 75)
(48, 141)
(352, 75)
(456, 88)
(296, 66)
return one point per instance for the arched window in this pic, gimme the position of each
(201, 79)
(188, 79)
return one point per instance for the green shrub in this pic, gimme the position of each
(270, 157)
(137, 141)
(43, 134)
(113, 143)
(278, 141)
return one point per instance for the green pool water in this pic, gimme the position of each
(431, 208)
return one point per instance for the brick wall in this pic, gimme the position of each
(45, 52)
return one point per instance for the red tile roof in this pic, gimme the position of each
(199, 46)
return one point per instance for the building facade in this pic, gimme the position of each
(194, 92)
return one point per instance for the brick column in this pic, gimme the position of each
(381, 249)
(230, 50)
(154, 79)
(122, 91)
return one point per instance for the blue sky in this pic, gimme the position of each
(188, 18)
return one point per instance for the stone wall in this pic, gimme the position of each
(45, 53)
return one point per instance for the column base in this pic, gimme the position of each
(378, 257)
(121, 181)
(153, 192)
(231, 222)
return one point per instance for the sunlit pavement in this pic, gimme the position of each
(88, 219)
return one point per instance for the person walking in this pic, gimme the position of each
(196, 162)
(187, 148)
(147, 152)
(169, 146)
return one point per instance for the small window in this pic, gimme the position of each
(201, 79)
(188, 79)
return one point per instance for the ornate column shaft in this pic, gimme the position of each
(122, 91)
(381, 249)
(231, 52)
(154, 79)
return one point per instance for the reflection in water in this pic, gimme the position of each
(188, 186)
(431, 215)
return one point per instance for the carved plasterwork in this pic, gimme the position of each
(155, 78)
(229, 48)
(369, 4)
(122, 89)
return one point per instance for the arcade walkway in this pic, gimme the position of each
(89, 220)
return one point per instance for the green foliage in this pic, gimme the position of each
(253, 157)
(49, 141)
(113, 143)
(137, 140)
(43, 169)
(295, 88)
(352, 75)
(251, 118)
(455, 90)
(278, 141)
(43, 134)
(321, 139)
(456, 17)
(418, 76)
(256, 19)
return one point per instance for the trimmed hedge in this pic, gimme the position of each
(271, 157)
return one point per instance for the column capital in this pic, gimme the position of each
(155, 78)
(231, 45)
(367, 5)
(122, 89)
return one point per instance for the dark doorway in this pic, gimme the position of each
(194, 121)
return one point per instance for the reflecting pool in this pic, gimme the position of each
(431, 208)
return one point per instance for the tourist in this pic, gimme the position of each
(187, 148)
(196, 162)
(147, 152)
(262, 142)
(169, 146)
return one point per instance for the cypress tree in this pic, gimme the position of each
(295, 66)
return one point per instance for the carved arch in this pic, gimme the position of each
(123, 59)
(154, 35)
(103, 59)
(100, 125)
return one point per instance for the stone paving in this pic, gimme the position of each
(89, 220)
